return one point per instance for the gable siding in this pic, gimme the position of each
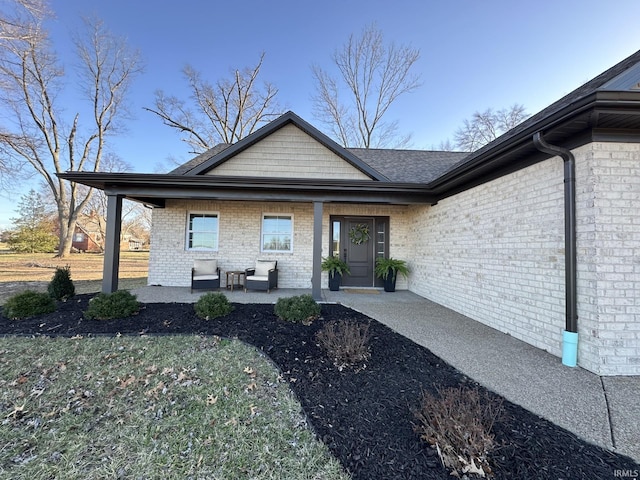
(289, 153)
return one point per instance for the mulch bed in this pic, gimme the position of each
(365, 418)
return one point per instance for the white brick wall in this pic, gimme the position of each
(609, 257)
(496, 254)
(239, 243)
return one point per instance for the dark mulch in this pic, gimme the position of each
(365, 418)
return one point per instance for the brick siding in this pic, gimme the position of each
(239, 241)
(496, 254)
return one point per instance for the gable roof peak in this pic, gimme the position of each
(208, 163)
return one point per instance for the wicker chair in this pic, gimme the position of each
(263, 277)
(205, 275)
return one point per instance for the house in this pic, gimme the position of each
(87, 239)
(536, 234)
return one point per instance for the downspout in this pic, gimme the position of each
(570, 335)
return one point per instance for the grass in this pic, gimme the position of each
(175, 407)
(19, 272)
(150, 407)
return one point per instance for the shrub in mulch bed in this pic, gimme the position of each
(212, 305)
(28, 304)
(366, 417)
(346, 343)
(301, 308)
(109, 306)
(61, 286)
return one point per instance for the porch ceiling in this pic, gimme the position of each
(154, 189)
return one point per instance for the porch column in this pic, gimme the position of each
(316, 287)
(112, 244)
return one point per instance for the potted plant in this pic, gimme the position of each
(388, 269)
(336, 268)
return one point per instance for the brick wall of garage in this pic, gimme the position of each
(496, 254)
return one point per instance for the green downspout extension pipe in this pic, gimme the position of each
(570, 335)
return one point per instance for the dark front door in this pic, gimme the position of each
(358, 240)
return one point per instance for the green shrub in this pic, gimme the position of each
(212, 305)
(106, 306)
(458, 423)
(28, 304)
(61, 286)
(301, 309)
(346, 343)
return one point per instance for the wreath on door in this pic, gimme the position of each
(359, 234)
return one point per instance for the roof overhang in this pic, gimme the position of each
(154, 189)
(601, 116)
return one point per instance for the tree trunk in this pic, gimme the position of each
(67, 229)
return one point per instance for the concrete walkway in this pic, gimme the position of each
(601, 410)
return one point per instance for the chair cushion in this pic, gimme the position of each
(262, 268)
(205, 277)
(205, 267)
(258, 278)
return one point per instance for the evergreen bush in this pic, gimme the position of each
(28, 304)
(106, 306)
(300, 309)
(61, 286)
(212, 305)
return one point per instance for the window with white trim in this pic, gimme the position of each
(202, 231)
(277, 233)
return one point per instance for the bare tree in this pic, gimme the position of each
(484, 127)
(222, 113)
(19, 19)
(372, 75)
(40, 134)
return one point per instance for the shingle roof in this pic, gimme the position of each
(195, 161)
(409, 166)
(418, 166)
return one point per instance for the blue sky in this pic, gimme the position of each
(474, 55)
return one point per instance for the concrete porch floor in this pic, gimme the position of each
(601, 410)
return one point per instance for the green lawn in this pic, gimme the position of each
(150, 407)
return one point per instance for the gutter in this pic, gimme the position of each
(570, 335)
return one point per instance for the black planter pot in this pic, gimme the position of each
(390, 283)
(334, 282)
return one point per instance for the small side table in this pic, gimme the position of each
(237, 279)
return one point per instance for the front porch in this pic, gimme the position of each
(158, 294)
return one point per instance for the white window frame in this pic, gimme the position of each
(262, 232)
(188, 247)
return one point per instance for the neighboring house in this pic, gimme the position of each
(86, 239)
(89, 237)
(535, 234)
